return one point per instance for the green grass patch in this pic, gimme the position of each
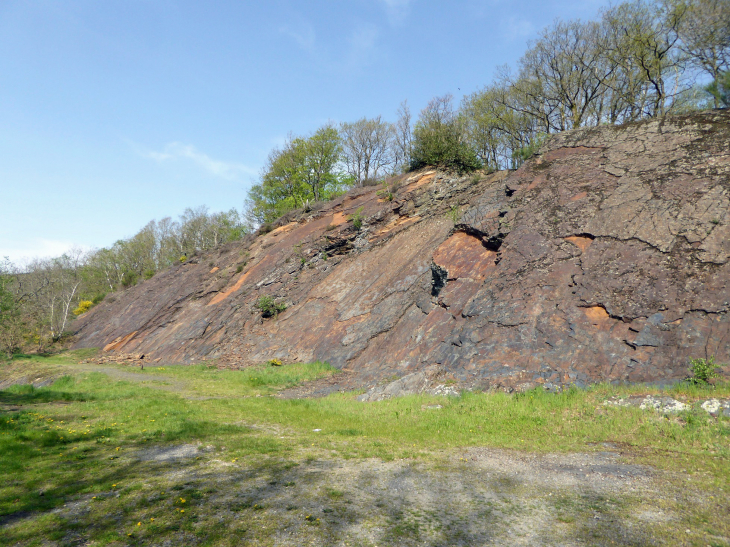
(79, 440)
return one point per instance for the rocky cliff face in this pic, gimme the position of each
(606, 257)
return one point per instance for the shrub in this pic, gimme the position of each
(440, 144)
(149, 274)
(129, 279)
(84, 306)
(265, 228)
(268, 306)
(703, 370)
(357, 218)
(389, 189)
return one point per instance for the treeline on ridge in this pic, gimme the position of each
(40, 298)
(640, 60)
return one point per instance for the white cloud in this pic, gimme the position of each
(397, 10)
(363, 42)
(23, 252)
(363, 38)
(176, 151)
(518, 28)
(303, 34)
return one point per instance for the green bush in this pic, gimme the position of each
(441, 145)
(129, 279)
(703, 370)
(357, 218)
(268, 306)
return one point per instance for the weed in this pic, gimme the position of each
(356, 218)
(299, 253)
(389, 189)
(703, 370)
(454, 214)
(268, 306)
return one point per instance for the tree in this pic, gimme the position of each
(306, 169)
(368, 150)
(438, 138)
(642, 38)
(720, 89)
(322, 152)
(561, 75)
(403, 136)
(11, 327)
(495, 127)
(704, 33)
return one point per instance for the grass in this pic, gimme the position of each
(78, 441)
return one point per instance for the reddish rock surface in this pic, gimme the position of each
(607, 257)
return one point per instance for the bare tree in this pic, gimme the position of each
(704, 33)
(403, 139)
(11, 320)
(494, 128)
(562, 76)
(367, 148)
(643, 39)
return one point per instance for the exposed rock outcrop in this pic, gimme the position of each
(606, 257)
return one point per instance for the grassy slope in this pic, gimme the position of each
(76, 439)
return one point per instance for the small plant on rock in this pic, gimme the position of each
(357, 218)
(454, 214)
(703, 370)
(389, 189)
(268, 306)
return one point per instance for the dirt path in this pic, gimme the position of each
(472, 497)
(475, 496)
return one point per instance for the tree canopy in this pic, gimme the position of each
(304, 170)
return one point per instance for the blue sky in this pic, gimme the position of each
(117, 112)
